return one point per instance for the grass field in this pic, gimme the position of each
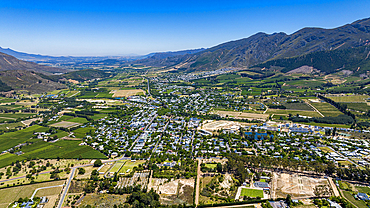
(326, 109)
(130, 165)
(78, 120)
(210, 165)
(348, 99)
(253, 193)
(117, 166)
(358, 203)
(9, 195)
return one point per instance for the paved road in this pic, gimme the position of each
(198, 183)
(147, 126)
(65, 190)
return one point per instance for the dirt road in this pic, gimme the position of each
(198, 183)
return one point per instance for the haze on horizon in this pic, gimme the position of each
(99, 28)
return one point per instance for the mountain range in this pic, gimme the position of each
(263, 47)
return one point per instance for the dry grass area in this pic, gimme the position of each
(211, 125)
(295, 185)
(65, 124)
(103, 200)
(9, 195)
(127, 93)
(242, 115)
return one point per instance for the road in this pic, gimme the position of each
(150, 95)
(333, 187)
(198, 183)
(65, 190)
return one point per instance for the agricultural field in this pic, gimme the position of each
(12, 194)
(65, 124)
(46, 150)
(292, 112)
(350, 98)
(326, 109)
(363, 107)
(252, 193)
(9, 140)
(359, 203)
(81, 132)
(127, 93)
(298, 106)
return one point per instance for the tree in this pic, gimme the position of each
(81, 171)
(219, 167)
(98, 163)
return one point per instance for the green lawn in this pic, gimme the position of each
(210, 165)
(117, 166)
(253, 193)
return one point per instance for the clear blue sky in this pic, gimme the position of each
(119, 27)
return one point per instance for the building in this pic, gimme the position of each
(363, 196)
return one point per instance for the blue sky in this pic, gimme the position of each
(119, 27)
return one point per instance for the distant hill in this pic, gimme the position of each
(263, 47)
(8, 62)
(27, 80)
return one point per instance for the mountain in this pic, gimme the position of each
(8, 62)
(263, 47)
(27, 80)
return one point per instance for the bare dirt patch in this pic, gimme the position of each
(175, 192)
(65, 124)
(127, 93)
(242, 115)
(210, 125)
(295, 185)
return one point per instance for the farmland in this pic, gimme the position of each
(350, 98)
(326, 109)
(127, 93)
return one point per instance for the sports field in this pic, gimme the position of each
(117, 166)
(252, 193)
(129, 165)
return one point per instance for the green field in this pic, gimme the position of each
(358, 106)
(326, 109)
(253, 193)
(363, 189)
(297, 106)
(78, 120)
(358, 203)
(81, 132)
(9, 140)
(210, 165)
(130, 165)
(45, 150)
(117, 166)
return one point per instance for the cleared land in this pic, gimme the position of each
(242, 115)
(295, 185)
(127, 93)
(217, 125)
(65, 124)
